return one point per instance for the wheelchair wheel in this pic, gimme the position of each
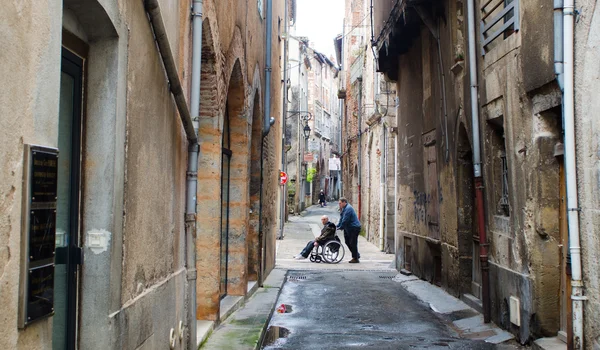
(313, 258)
(333, 252)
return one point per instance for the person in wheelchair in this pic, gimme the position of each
(327, 234)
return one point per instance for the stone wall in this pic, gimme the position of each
(587, 128)
(436, 212)
(133, 286)
(232, 80)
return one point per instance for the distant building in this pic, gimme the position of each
(314, 81)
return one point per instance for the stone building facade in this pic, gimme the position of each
(323, 81)
(587, 128)
(370, 122)
(85, 77)
(314, 81)
(422, 46)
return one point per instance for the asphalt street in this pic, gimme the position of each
(357, 309)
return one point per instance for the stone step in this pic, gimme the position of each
(549, 344)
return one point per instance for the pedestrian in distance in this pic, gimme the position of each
(327, 233)
(351, 225)
(322, 201)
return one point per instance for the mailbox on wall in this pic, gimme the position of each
(38, 223)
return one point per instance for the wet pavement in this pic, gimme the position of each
(346, 306)
(358, 309)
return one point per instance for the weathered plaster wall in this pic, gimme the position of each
(28, 110)
(587, 127)
(516, 95)
(427, 200)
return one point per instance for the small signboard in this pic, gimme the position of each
(335, 164)
(40, 181)
(283, 178)
(309, 157)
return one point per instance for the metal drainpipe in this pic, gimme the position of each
(396, 192)
(359, 143)
(266, 128)
(558, 43)
(483, 245)
(382, 189)
(284, 117)
(164, 48)
(191, 129)
(571, 174)
(192, 173)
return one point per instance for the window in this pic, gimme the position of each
(499, 20)
(499, 168)
(503, 203)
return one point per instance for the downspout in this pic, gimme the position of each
(558, 43)
(284, 119)
(483, 245)
(162, 40)
(396, 191)
(267, 122)
(191, 130)
(269, 28)
(571, 174)
(192, 173)
(359, 144)
(382, 189)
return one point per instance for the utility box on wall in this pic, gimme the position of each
(515, 311)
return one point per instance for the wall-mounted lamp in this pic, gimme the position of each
(306, 131)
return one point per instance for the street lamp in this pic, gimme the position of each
(306, 131)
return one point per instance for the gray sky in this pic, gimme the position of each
(321, 21)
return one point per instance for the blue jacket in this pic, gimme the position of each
(348, 219)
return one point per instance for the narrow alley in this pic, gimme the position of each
(344, 306)
(166, 167)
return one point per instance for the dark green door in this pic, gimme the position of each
(68, 254)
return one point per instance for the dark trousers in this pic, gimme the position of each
(309, 247)
(351, 238)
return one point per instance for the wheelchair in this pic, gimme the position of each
(332, 252)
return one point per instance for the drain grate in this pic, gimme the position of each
(387, 277)
(297, 278)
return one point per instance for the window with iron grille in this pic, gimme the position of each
(503, 203)
(499, 20)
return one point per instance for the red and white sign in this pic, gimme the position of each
(309, 157)
(282, 178)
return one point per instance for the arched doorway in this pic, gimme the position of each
(235, 164)
(255, 240)
(468, 239)
(225, 202)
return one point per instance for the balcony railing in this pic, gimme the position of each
(498, 17)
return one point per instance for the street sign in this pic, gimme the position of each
(283, 178)
(309, 157)
(334, 164)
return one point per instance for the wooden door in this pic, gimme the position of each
(565, 278)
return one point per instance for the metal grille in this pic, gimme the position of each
(297, 278)
(504, 206)
(498, 17)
